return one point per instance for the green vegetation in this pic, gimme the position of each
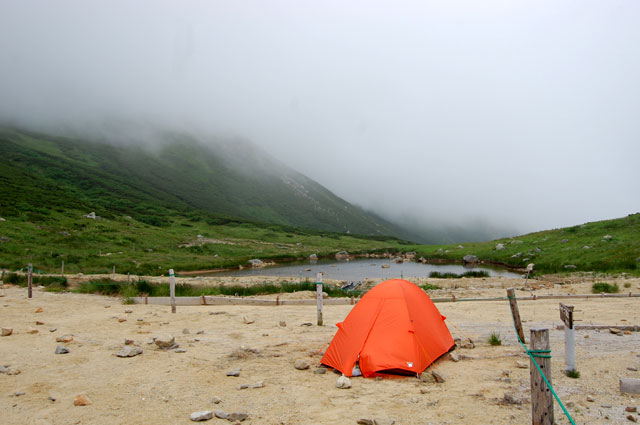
(48, 281)
(600, 287)
(575, 374)
(126, 290)
(429, 286)
(479, 273)
(495, 339)
(613, 247)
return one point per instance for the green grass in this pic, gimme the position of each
(495, 339)
(143, 287)
(479, 273)
(429, 287)
(600, 287)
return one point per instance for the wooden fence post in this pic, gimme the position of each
(30, 280)
(319, 297)
(62, 272)
(113, 272)
(566, 314)
(511, 294)
(541, 396)
(172, 290)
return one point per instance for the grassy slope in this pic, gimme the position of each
(550, 255)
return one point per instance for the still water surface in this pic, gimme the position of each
(360, 269)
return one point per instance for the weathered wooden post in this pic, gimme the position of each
(541, 396)
(172, 290)
(30, 280)
(128, 277)
(511, 294)
(113, 272)
(62, 271)
(566, 315)
(319, 297)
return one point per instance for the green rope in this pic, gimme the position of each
(538, 353)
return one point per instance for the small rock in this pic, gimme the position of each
(247, 320)
(129, 351)
(179, 350)
(632, 369)
(61, 349)
(6, 331)
(128, 311)
(414, 400)
(258, 384)
(438, 376)
(81, 400)
(166, 342)
(51, 398)
(128, 341)
(343, 382)
(39, 310)
(511, 399)
(632, 418)
(221, 415)
(522, 364)
(64, 338)
(200, 333)
(122, 319)
(301, 364)
(424, 390)
(453, 356)
(615, 331)
(365, 421)
(383, 421)
(140, 319)
(499, 247)
(243, 386)
(237, 416)
(320, 371)
(203, 415)
(53, 329)
(590, 399)
(627, 332)
(186, 331)
(107, 306)
(216, 400)
(587, 336)
(307, 324)
(631, 409)
(234, 372)
(428, 378)
(39, 323)
(18, 393)
(31, 330)
(466, 343)
(283, 324)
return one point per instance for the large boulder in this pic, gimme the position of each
(470, 259)
(256, 263)
(342, 255)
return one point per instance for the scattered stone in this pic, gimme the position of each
(343, 382)
(129, 351)
(564, 241)
(454, 357)
(365, 421)
(632, 369)
(61, 349)
(587, 336)
(201, 332)
(632, 418)
(606, 237)
(122, 319)
(128, 341)
(301, 364)
(140, 319)
(31, 330)
(234, 372)
(320, 371)
(590, 399)
(166, 342)
(64, 338)
(383, 422)
(627, 332)
(631, 409)
(107, 306)
(438, 376)
(221, 415)
(179, 350)
(615, 331)
(39, 323)
(499, 247)
(53, 329)
(6, 331)
(51, 398)
(18, 393)
(237, 417)
(203, 415)
(586, 247)
(128, 311)
(466, 343)
(521, 364)
(428, 378)
(247, 320)
(186, 331)
(511, 399)
(39, 310)
(570, 266)
(82, 400)
(259, 384)
(243, 387)
(216, 400)
(414, 400)
(283, 324)
(307, 324)
(469, 258)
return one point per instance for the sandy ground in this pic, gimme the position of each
(165, 387)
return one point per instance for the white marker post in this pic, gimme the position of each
(172, 290)
(566, 315)
(62, 271)
(319, 297)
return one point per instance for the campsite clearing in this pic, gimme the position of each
(166, 386)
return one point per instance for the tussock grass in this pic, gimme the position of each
(495, 339)
(429, 286)
(478, 273)
(608, 288)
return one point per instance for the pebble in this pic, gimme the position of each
(439, 377)
(31, 330)
(615, 331)
(51, 398)
(511, 399)
(203, 415)
(216, 400)
(320, 371)
(61, 349)
(179, 350)
(365, 421)
(631, 409)
(53, 329)
(632, 369)
(82, 400)
(590, 398)
(186, 331)
(6, 331)
(238, 416)
(248, 320)
(301, 364)
(9, 370)
(122, 319)
(39, 310)
(414, 400)
(424, 390)
(128, 311)
(200, 333)
(522, 365)
(234, 372)
(18, 393)
(632, 418)
(343, 382)
(383, 422)
(129, 351)
(128, 341)
(243, 386)
(258, 384)
(221, 414)
(166, 342)
(466, 343)
(107, 306)
(39, 323)
(64, 338)
(283, 324)
(307, 324)
(454, 357)
(140, 319)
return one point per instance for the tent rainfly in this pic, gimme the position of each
(394, 328)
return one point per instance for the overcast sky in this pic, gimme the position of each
(525, 114)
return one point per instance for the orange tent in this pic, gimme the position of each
(394, 328)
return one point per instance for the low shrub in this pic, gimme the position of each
(608, 288)
(495, 339)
